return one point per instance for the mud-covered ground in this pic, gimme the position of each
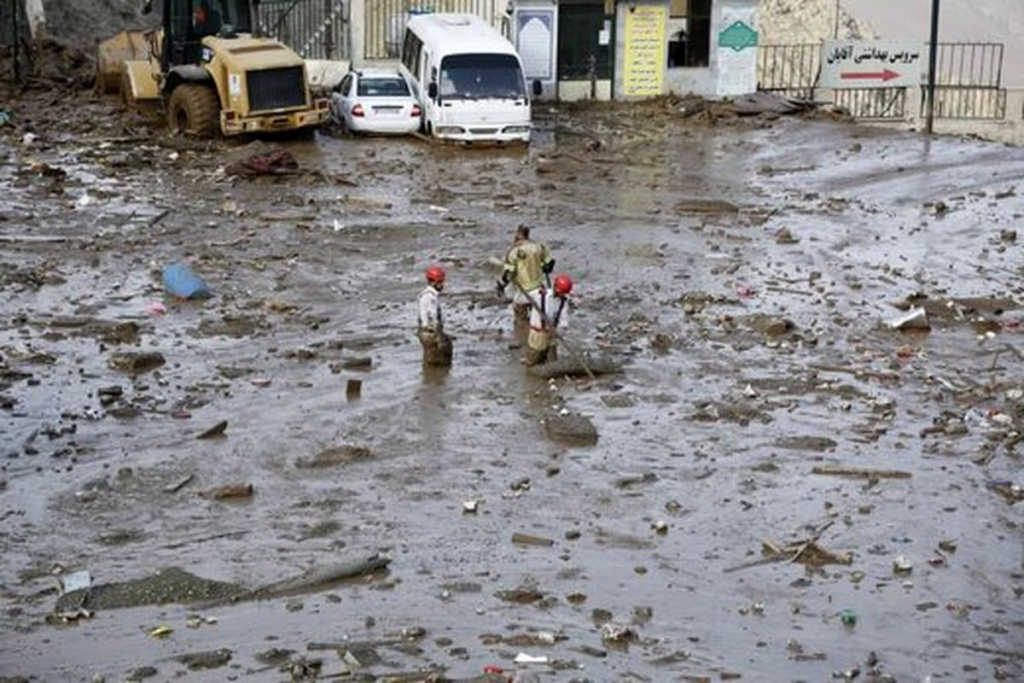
(743, 273)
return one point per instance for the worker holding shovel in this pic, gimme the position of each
(550, 309)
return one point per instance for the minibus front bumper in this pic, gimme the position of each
(516, 132)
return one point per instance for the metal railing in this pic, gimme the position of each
(985, 104)
(968, 78)
(976, 65)
(386, 20)
(873, 103)
(316, 29)
(791, 69)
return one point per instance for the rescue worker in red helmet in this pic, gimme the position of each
(437, 346)
(527, 265)
(550, 311)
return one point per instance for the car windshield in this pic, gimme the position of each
(482, 76)
(388, 86)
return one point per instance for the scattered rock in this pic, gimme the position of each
(133, 363)
(228, 492)
(215, 431)
(806, 443)
(332, 457)
(572, 429)
(210, 659)
(785, 236)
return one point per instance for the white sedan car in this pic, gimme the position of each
(375, 101)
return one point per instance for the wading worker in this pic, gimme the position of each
(437, 346)
(549, 312)
(527, 264)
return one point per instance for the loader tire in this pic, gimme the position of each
(194, 110)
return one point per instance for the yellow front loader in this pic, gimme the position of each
(208, 72)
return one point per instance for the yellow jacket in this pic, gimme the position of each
(525, 262)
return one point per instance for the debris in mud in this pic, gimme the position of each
(573, 366)
(108, 331)
(228, 492)
(234, 326)
(817, 444)
(214, 432)
(958, 309)
(807, 551)
(210, 659)
(257, 159)
(332, 457)
(571, 428)
(317, 578)
(617, 634)
(915, 319)
(859, 472)
(180, 484)
(529, 539)
(80, 580)
(136, 363)
(274, 656)
(632, 480)
(142, 673)
(902, 566)
(761, 103)
(1013, 493)
(768, 325)
(357, 363)
(705, 206)
(738, 412)
(526, 594)
(785, 236)
(170, 585)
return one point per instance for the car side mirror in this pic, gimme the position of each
(432, 90)
(538, 88)
(147, 7)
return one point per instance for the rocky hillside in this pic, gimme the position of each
(806, 21)
(84, 23)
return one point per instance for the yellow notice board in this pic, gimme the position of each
(644, 73)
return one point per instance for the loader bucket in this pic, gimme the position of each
(113, 53)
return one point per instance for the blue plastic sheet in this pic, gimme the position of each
(180, 281)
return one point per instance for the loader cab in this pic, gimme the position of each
(187, 22)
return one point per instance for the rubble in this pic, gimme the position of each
(739, 389)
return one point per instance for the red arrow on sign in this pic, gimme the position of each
(884, 75)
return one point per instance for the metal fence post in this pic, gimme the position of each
(929, 125)
(16, 40)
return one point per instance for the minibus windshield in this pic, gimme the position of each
(481, 76)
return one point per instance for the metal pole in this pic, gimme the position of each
(835, 31)
(932, 57)
(17, 39)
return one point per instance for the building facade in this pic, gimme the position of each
(582, 49)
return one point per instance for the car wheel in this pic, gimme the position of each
(194, 110)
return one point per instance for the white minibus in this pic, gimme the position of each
(468, 79)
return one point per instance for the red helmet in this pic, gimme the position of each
(563, 285)
(435, 274)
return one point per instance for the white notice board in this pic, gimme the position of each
(871, 64)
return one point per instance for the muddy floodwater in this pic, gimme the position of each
(783, 486)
